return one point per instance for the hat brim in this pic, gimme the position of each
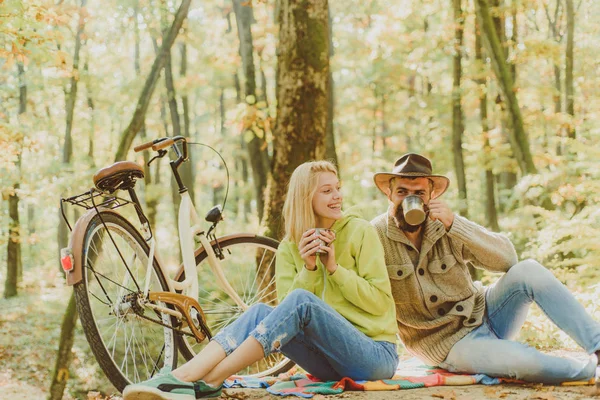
(440, 183)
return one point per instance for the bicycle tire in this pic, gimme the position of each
(128, 348)
(238, 248)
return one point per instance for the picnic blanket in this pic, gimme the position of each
(410, 374)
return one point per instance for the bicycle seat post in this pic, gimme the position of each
(138, 208)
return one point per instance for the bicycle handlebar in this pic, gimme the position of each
(158, 144)
(165, 143)
(141, 147)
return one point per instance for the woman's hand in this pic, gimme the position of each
(328, 250)
(308, 247)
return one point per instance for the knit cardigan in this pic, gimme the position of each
(437, 303)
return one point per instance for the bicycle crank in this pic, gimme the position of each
(190, 312)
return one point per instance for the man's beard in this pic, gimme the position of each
(405, 226)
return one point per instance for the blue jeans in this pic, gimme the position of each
(315, 336)
(489, 349)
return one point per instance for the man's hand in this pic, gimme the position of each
(440, 211)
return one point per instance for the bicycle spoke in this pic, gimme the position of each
(258, 269)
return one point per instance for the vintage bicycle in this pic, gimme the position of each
(136, 318)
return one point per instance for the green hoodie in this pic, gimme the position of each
(359, 289)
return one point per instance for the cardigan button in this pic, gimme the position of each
(433, 298)
(399, 273)
(421, 271)
(441, 311)
(443, 266)
(459, 308)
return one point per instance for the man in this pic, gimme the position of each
(445, 318)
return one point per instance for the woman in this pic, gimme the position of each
(336, 315)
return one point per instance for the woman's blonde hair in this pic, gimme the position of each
(298, 212)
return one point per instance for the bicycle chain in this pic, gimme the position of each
(166, 325)
(204, 328)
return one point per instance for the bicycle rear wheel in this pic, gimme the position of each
(249, 265)
(128, 346)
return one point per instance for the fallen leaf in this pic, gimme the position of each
(543, 396)
(446, 395)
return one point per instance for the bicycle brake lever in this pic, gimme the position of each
(161, 154)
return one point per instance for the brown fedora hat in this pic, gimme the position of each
(412, 166)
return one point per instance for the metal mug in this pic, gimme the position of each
(413, 208)
(322, 242)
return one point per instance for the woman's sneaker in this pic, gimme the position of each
(167, 387)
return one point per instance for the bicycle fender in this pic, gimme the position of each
(76, 244)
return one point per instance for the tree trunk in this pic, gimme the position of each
(374, 118)
(14, 258)
(90, 104)
(263, 84)
(557, 34)
(137, 119)
(171, 100)
(72, 95)
(302, 97)
(257, 145)
(457, 113)
(518, 137)
(569, 89)
(558, 88)
(330, 149)
(558, 107)
(13, 247)
(491, 214)
(175, 125)
(187, 169)
(514, 38)
(508, 179)
(61, 368)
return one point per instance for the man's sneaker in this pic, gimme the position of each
(167, 387)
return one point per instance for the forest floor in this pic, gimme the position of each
(30, 329)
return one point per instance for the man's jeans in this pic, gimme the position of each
(489, 349)
(315, 336)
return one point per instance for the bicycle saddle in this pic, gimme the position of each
(120, 175)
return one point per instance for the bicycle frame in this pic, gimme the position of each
(189, 228)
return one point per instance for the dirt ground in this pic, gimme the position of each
(474, 392)
(30, 329)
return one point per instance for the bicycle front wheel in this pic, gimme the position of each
(129, 340)
(249, 266)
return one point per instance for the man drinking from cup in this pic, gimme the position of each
(445, 318)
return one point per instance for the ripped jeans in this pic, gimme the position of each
(490, 348)
(315, 336)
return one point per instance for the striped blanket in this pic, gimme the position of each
(409, 375)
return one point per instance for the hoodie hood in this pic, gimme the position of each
(349, 215)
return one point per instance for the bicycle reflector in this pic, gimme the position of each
(66, 259)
